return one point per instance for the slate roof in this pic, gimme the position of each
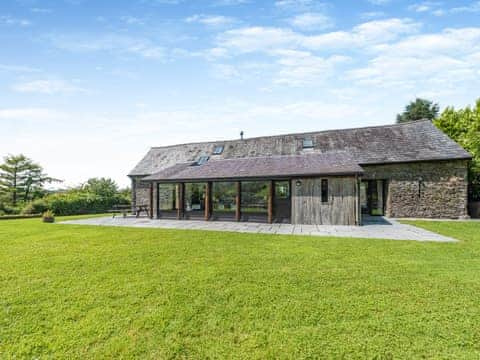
(408, 142)
(258, 167)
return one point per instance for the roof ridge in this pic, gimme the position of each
(294, 134)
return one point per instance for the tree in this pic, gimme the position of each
(418, 110)
(463, 126)
(21, 179)
(103, 187)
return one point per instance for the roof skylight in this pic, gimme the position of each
(218, 150)
(307, 144)
(202, 160)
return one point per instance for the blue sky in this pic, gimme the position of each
(87, 86)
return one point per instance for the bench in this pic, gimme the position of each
(125, 209)
(120, 209)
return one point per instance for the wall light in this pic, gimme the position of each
(298, 183)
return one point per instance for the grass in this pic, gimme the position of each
(70, 291)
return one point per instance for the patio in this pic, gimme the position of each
(373, 228)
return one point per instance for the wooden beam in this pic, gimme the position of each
(180, 200)
(208, 201)
(270, 201)
(151, 200)
(238, 201)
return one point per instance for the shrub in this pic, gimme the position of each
(12, 210)
(76, 203)
(38, 206)
(48, 216)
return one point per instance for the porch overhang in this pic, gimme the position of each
(258, 168)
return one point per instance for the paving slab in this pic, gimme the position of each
(381, 228)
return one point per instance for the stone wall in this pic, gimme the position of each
(140, 192)
(424, 189)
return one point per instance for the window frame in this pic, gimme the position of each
(218, 150)
(307, 144)
(202, 160)
(324, 191)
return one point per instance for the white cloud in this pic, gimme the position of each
(48, 87)
(17, 69)
(210, 20)
(230, 2)
(121, 44)
(429, 61)
(437, 8)
(132, 20)
(41, 10)
(433, 7)
(251, 39)
(312, 21)
(372, 14)
(14, 114)
(474, 7)
(300, 5)
(12, 21)
(257, 38)
(300, 68)
(379, 2)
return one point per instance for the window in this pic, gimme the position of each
(202, 160)
(218, 150)
(324, 190)
(254, 197)
(282, 189)
(224, 196)
(195, 197)
(167, 197)
(307, 144)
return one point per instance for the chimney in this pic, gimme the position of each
(241, 135)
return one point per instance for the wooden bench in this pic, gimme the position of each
(125, 209)
(120, 209)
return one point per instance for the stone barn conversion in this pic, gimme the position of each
(327, 177)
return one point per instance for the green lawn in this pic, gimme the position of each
(95, 292)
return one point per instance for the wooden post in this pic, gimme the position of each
(238, 201)
(151, 200)
(208, 201)
(270, 201)
(180, 200)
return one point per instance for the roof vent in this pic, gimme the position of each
(241, 135)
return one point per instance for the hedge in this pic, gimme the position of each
(75, 203)
(15, 217)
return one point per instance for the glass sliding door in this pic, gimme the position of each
(167, 201)
(372, 197)
(254, 201)
(224, 203)
(194, 200)
(282, 202)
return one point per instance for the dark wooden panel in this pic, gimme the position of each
(238, 199)
(208, 201)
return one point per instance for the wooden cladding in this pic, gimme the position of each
(238, 201)
(208, 201)
(270, 202)
(308, 206)
(151, 201)
(180, 200)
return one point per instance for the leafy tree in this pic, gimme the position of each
(418, 110)
(103, 187)
(21, 179)
(463, 126)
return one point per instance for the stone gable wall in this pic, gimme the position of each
(424, 189)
